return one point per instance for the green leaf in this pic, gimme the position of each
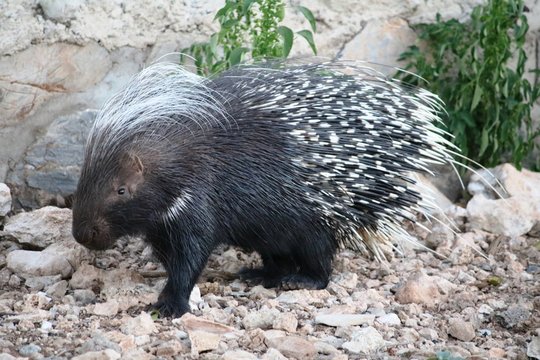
(476, 96)
(287, 35)
(229, 23)
(484, 142)
(223, 11)
(309, 17)
(246, 6)
(306, 34)
(236, 55)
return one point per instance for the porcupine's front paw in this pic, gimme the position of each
(169, 307)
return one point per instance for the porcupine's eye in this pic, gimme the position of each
(122, 190)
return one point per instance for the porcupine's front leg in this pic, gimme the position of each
(184, 258)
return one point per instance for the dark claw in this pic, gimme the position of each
(170, 309)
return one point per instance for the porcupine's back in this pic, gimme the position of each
(354, 140)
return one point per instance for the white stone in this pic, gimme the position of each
(273, 354)
(262, 319)
(5, 199)
(38, 263)
(460, 329)
(512, 217)
(108, 308)
(293, 347)
(238, 355)
(108, 354)
(41, 228)
(139, 326)
(533, 348)
(364, 341)
(285, 321)
(389, 319)
(61, 10)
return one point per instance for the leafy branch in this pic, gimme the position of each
(248, 28)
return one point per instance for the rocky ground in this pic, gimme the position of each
(478, 297)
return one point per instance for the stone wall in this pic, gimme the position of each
(61, 57)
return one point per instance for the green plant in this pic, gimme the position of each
(470, 66)
(248, 27)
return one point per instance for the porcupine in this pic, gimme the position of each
(289, 161)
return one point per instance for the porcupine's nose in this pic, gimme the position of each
(94, 236)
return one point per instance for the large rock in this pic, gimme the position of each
(381, 42)
(43, 71)
(50, 170)
(513, 215)
(41, 228)
(38, 263)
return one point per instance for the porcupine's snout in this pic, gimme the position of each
(91, 233)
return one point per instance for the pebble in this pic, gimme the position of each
(419, 289)
(238, 355)
(140, 325)
(202, 341)
(347, 280)
(108, 308)
(498, 353)
(427, 333)
(461, 330)
(273, 354)
(533, 348)
(84, 296)
(293, 347)
(262, 319)
(38, 283)
(285, 321)
(5, 199)
(169, 349)
(364, 341)
(58, 289)
(29, 350)
(107, 354)
(514, 316)
(389, 319)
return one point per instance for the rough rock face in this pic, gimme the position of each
(60, 57)
(518, 213)
(50, 168)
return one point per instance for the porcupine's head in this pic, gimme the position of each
(136, 154)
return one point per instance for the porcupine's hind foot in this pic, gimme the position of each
(271, 274)
(299, 281)
(292, 281)
(288, 274)
(259, 276)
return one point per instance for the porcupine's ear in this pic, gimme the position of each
(131, 171)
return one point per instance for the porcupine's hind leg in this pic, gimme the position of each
(313, 259)
(306, 265)
(274, 268)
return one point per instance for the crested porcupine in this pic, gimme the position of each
(291, 162)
